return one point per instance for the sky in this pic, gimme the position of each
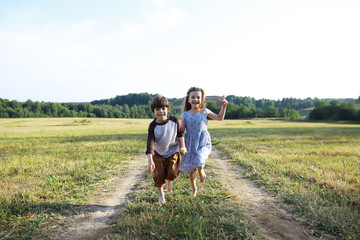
(85, 50)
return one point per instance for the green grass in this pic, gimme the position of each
(50, 166)
(211, 215)
(314, 166)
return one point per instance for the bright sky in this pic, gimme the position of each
(84, 50)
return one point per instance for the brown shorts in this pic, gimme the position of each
(165, 168)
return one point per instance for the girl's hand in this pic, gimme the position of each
(183, 151)
(223, 101)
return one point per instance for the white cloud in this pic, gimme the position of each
(168, 19)
(161, 3)
(156, 22)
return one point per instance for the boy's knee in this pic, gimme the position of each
(172, 175)
(159, 179)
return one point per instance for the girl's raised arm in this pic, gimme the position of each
(221, 114)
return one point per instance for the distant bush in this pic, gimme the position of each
(335, 111)
(292, 115)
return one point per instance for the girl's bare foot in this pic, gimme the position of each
(193, 193)
(202, 175)
(162, 199)
(193, 183)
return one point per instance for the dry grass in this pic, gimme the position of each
(315, 166)
(48, 166)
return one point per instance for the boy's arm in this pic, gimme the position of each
(151, 165)
(150, 145)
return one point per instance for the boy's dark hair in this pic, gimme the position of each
(159, 102)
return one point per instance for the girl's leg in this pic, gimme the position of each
(202, 174)
(161, 195)
(193, 183)
(169, 185)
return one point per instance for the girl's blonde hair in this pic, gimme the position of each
(187, 105)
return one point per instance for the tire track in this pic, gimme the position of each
(264, 209)
(94, 220)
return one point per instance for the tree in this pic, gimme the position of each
(292, 115)
(347, 111)
(211, 105)
(232, 111)
(243, 112)
(271, 112)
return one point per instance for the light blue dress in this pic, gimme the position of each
(197, 141)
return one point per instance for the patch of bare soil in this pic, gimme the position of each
(93, 221)
(264, 209)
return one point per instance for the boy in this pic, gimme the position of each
(164, 140)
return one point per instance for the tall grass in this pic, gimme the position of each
(315, 166)
(48, 166)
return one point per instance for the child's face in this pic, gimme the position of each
(161, 113)
(195, 99)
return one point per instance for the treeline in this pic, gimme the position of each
(30, 109)
(138, 106)
(128, 108)
(335, 111)
(240, 111)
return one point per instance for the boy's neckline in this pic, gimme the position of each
(157, 121)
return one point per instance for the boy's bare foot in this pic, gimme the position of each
(162, 199)
(202, 176)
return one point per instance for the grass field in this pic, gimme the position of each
(211, 215)
(315, 166)
(48, 166)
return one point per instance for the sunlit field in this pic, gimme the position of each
(48, 166)
(315, 166)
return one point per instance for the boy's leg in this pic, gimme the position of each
(202, 174)
(169, 185)
(172, 165)
(193, 183)
(161, 195)
(159, 171)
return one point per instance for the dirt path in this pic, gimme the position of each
(264, 209)
(93, 221)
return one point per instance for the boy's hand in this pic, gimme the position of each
(183, 151)
(151, 166)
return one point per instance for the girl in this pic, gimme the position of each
(197, 138)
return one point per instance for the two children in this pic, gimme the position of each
(166, 136)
